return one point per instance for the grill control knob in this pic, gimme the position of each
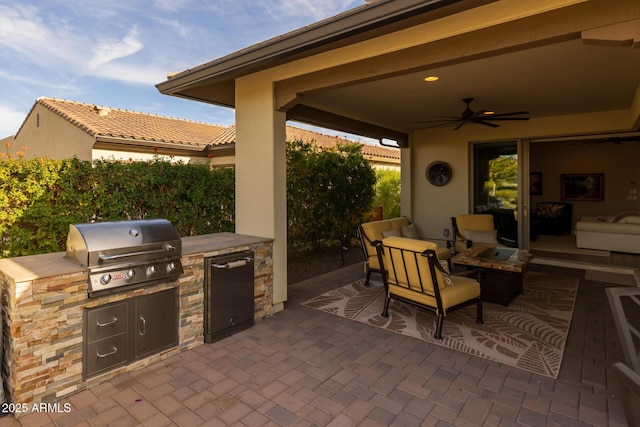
(129, 274)
(151, 270)
(171, 266)
(105, 278)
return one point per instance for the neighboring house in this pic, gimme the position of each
(570, 67)
(61, 129)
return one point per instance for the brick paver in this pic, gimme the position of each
(304, 367)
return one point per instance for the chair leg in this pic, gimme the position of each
(438, 334)
(385, 310)
(366, 282)
(479, 312)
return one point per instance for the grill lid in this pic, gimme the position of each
(125, 253)
(117, 242)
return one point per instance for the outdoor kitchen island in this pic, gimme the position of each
(44, 300)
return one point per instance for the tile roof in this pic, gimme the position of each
(113, 122)
(322, 140)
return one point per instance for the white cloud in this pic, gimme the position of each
(10, 120)
(109, 50)
(171, 5)
(148, 75)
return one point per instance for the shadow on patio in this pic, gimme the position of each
(305, 367)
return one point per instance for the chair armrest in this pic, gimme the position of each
(508, 242)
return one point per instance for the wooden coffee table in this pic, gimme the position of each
(502, 267)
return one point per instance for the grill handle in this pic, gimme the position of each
(233, 264)
(167, 248)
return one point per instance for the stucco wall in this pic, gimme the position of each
(433, 206)
(55, 137)
(620, 165)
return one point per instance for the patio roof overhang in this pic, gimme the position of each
(214, 82)
(505, 61)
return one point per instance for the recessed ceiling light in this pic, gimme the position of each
(431, 78)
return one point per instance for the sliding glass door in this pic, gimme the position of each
(499, 177)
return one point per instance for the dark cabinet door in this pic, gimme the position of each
(228, 295)
(154, 324)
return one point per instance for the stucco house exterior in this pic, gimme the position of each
(60, 129)
(570, 65)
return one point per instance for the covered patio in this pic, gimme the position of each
(305, 367)
(364, 72)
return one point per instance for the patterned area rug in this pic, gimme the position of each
(529, 334)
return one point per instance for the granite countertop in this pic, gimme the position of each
(32, 267)
(517, 262)
(218, 241)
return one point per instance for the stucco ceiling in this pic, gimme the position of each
(570, 77)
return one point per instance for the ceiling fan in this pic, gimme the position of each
(481, 117)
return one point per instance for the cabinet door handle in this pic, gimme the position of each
(112, 352)
(111, 322)
(233, 264)
(142, 329)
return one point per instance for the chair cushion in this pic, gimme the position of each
(392, 232)
(474, 222)
(413, 272)
(489, 237)
(409, 231)
(463, 290)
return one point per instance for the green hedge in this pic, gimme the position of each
(39, 198)
(329, 193)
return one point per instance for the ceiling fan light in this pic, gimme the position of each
(488, 113)
(431, 79)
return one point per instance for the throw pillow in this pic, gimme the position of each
(391, 233)
(489, 237)
(446, 277)
(549, 210)
(409, 231)
(624, 215)
(630, 220)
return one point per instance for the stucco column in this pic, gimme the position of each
(261, 205)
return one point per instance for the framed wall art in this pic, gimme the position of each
(535, 183)
(582, 187)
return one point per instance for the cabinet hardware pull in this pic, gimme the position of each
(233, 264)
(112, 352)
(112, 322)
(143, 323)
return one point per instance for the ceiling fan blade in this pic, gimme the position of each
(450, 120)
(460, 125)
(505, 118)
(479, 115)
(516, 113)
(441, 124)
(482, 122)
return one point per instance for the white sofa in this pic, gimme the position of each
(619, 233)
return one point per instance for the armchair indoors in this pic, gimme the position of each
(477, 228)
(413, 273)
(553, 218)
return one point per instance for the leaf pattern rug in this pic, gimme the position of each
(529, 334)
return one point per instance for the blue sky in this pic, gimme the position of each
(113, 53)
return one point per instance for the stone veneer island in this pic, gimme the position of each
(43, 302)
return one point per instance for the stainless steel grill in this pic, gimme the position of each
(125, 254)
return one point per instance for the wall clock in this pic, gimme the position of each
(439, 173)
